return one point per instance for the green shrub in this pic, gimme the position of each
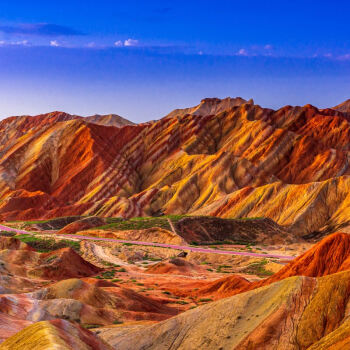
(118, 322)
(205, 300)
(51, 258)
(116, 280)
(108, 274)
(45, 245)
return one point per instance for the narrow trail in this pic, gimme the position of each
(180, 247)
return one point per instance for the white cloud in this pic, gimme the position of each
(268, 47)
(131, 42)
(20, 43)
(345, 57)
(118, 43)
(91, 44)
(242, 52)
(2, 42)
(200, 53)
(54, 43)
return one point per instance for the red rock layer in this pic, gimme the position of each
(222, 163)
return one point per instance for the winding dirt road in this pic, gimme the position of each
(190, 248)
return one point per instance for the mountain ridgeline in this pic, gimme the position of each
(227, 158)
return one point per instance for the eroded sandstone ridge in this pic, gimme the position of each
(225, 158)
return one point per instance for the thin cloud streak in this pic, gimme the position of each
(40, 29)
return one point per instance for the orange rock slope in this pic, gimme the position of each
(227, 158)
(43, 286)
(329, 256)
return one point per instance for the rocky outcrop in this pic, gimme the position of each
(56, 265)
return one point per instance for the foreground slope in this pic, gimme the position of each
(296, 313)
(227, 158)
(55, 334)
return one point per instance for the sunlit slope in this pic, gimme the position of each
(295, 313)
(290, 165)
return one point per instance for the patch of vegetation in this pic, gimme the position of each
(181, 302)
(154, 259)
(166, 292)
(118, 322)
(7, 233)
(107, 263)
(33, 222)
(121, 270)
(220, 267)
(44, 245)
(258, 269)
(51, 258)
(205, 300)
(89, 326)
(140, 223)
(108, 274)
(116, 280)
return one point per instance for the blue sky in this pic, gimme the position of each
(141, 59)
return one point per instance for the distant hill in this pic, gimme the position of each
(210, 106)
(108, 120)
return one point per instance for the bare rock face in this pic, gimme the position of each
(227, 158)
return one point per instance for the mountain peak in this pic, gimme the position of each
(211, 106)
(343, 107)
